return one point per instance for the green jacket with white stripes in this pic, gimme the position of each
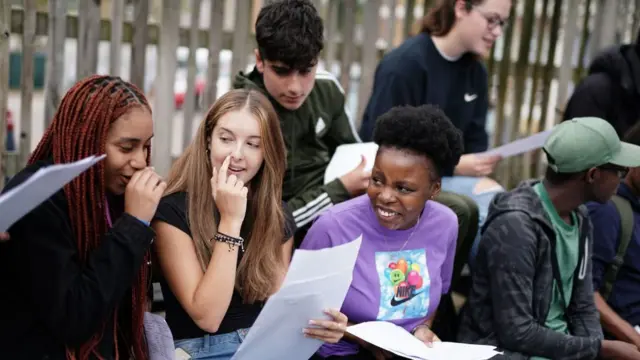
(311, 134)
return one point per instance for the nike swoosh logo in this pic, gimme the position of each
(395, 302)
(470, 98)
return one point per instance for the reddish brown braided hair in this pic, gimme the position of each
(79, 129)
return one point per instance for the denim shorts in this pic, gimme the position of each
(213, 347)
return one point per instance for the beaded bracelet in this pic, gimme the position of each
(230, 240)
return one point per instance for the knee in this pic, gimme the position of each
(463, 206)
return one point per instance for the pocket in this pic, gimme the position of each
(182, 354)
(188, 349)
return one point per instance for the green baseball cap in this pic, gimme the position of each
(582, 143)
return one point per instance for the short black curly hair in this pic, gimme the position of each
(424, 130)
(291, 32)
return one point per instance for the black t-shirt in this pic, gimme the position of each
(173, 210)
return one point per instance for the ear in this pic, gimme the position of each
(461, 8)
(591, 175)
(436, 187)
(259, 62)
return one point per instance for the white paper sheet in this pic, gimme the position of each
(159, 338)
(520, 146)
(347, 157)
(308, 289)
(19, 201)
(397, 340)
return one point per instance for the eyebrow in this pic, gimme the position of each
(132, 139)
(231, 132)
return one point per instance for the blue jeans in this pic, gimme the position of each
(465, 185)
(213, 347)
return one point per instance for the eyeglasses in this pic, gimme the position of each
(493, 19)
(621, 171)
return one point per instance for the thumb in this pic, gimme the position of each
(363, 162)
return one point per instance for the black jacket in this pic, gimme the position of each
(611, 91)
(49, 299)
(513, 280)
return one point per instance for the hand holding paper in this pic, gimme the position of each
(329, 331)
(347, 157)
(397, 340)
(477, 165)
(309, 287)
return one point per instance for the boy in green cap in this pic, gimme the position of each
(532, 291)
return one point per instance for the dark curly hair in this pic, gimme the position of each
(291, 32)
(424, 130)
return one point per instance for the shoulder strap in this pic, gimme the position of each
(626, 229)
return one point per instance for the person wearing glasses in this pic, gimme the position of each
(532, 289)
(616, 254)
(442, 66)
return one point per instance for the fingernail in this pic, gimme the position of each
(312, 322)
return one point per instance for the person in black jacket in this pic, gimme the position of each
(611, 89)
(532, 292)
(75, 275)
(441, 66)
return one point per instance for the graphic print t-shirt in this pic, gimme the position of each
(399, 274)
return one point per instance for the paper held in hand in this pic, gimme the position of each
(19, 201)
(519, 146)
(309, 287)
(347, 157)
(399, 341)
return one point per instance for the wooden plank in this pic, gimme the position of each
(348, 30)
(164, 102)
(26, 80)
(215, 45)
(4, 83)
(368, 61)
(139, 38)
(115, 46)
(240, 48)
(17, 18)
(87, 46)
(330, 30)
(55, 58)
(189, 105)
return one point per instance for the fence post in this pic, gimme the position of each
(26, 80)
(164, 102)
(54, 73)
(5, 10)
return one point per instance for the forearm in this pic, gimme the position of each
(213, 295)
(614, 324)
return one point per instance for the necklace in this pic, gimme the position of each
(415, 227)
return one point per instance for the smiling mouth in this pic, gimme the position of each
(126, 179)
(235, 170)
(386, 213)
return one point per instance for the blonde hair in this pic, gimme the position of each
(261, 266)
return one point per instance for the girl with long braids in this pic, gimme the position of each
(224, 235)
(74, 277)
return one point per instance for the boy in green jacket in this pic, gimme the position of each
(314, 119)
